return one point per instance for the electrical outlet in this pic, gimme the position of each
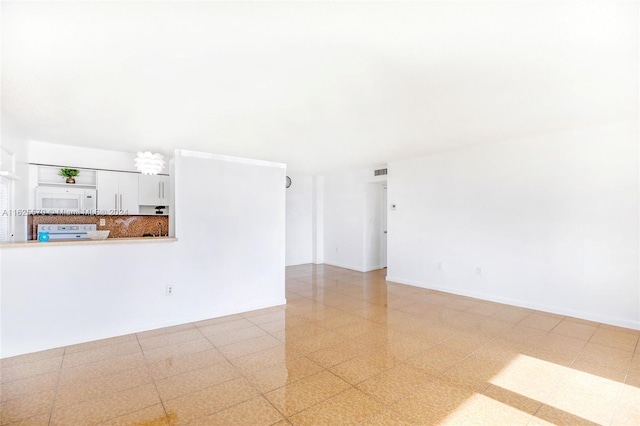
(478, 270)
(440, 266)
(336, 249)
(169, 291)
(103, 222)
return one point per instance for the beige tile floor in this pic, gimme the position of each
(348, 348)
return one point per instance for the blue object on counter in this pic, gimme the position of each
(43, 236)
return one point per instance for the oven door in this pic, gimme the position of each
(59, 200)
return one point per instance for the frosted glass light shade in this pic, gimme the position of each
(149, 164)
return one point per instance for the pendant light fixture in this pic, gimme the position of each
(148, 163)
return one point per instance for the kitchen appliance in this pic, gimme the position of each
(65, 200)
(71, 231)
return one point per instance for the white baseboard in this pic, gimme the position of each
(590, 316)
(18, 349)
(345, 266)
(405, 281)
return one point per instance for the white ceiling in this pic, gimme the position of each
(319, 86)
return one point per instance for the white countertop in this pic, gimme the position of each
(134, 240)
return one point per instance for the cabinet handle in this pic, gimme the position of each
(116, 201)
(163, 190)
(159, 196)
(120, 201)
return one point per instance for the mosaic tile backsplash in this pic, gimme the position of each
(120, 226)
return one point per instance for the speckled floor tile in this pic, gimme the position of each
(541, 321)
(338, 354)
(348, 348)
(230, 337)
(105, 367)
(219, 320)
(248, 347)
(100, 354)
(29, 385)
(574, 329)
(104, 408)
(41, 420)
(524, 336)
(178, 350)
(315, 343)
(30, 369)
(225, 327)
(96, 344)
(26, 406)
(346, 408)
(552, 416)
(205, 402)
(307, 392)
(437, 359)
(364, 366)
(394, 383)
(81, 390)
(283, 374)
(528, 377)
(432, 403)
(615, 338)
(589, 397)
(194, 380)
(473, 373)
(634, 368)
(513, 399)
(169, 339)
(255, 412)
(483, 410)
(267, 317)
(558, 349)
(29, 358)
(512, 314)
(177, 365)
(603, 361)
(387, 418)
(149, 416)
(628, 410)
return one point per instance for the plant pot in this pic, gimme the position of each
(71, 180)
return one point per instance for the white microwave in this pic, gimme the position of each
(65, 200)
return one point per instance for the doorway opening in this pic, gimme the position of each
(383, 227)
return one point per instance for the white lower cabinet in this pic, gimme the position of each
(117, 192)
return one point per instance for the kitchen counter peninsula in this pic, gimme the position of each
(129, 240)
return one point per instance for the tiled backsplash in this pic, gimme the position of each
(120, 226)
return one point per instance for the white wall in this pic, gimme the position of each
(15, 142)
(317, 242)
(229, 258)
(551, 220)
(347, 218)
(299, 224)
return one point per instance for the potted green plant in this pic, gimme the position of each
(70, 174)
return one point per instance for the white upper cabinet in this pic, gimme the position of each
(117, 192)
(153, 190)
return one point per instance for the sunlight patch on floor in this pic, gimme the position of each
(561, 389)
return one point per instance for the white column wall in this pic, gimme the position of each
(299, 225)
